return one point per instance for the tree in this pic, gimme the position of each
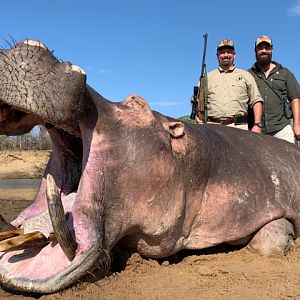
(37, 139)
(186, 119)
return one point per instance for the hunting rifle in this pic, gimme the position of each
(199, 98)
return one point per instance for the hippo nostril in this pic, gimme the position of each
(4, 111)
(58, 219)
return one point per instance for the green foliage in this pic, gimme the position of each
(186, 119)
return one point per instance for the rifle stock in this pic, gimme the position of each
(199, 98)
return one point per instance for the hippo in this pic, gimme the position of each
(122, 175)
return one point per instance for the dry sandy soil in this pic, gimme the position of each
(220, 273)
(23, 164)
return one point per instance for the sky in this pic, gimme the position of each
(152, 48)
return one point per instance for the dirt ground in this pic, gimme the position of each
(22, 164)
(219, 273)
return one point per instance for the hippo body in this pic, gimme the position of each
(131, 177)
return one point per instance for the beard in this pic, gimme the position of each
(264, 59)
(225, 62)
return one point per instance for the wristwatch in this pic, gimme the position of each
(259, 124)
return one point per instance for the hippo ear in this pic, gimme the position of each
(73, 71)
(176, 129)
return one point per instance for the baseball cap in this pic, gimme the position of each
(265, 39)
(225, 43)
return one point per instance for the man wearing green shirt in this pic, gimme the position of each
(276, 85)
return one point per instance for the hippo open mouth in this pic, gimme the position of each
(52, 243)
(41, 253)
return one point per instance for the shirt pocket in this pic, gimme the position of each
(239, 90)
(278, 83)
(239, 85)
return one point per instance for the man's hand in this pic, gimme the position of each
(296, 128)
(256, 129)
(198, 121)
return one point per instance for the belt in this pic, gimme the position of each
(237, 120)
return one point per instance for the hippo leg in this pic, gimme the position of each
(276, 237)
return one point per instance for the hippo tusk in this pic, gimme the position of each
(58, 220)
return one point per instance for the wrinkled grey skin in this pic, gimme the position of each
(135, 178)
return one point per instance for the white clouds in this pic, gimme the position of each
(97, 71)
(294, 11)
(102, 71)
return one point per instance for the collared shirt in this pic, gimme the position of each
(229, 93)
(279, 85)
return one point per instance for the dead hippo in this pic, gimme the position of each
(123, 174)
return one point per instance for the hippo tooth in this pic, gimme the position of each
(35, 44)
(58, 220)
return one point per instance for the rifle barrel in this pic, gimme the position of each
(199, 106)
(204, 54)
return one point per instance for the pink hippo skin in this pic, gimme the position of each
(128, 176)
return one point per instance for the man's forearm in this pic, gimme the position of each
(257, 111)
(296, 111)
(296, 117)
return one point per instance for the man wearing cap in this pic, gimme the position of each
(277, 85)
(230, 90)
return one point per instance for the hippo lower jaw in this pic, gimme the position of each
(59, 263)
(17, 279)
